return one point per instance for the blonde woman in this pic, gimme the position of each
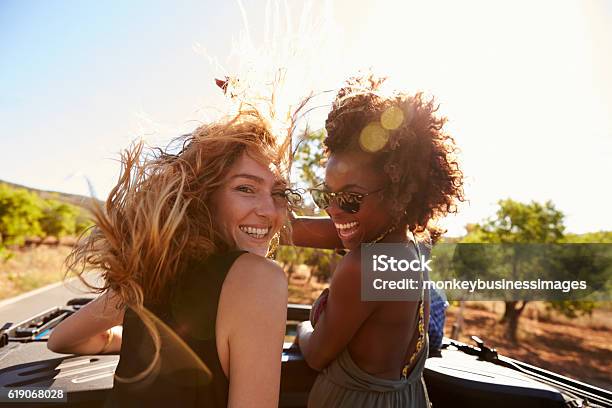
(182, 244)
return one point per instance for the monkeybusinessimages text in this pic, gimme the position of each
(385, 263)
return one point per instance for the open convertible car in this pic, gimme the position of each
(461, 376)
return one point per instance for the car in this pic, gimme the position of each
(461, 375)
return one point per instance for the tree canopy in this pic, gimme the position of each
(525, 223)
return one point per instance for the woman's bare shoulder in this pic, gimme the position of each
(257, 268)
(349, 265)
(251, 276)
(254, 295)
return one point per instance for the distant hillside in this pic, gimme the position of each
(74, 199)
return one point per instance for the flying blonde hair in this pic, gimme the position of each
(158, 214)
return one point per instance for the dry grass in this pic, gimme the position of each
(31, 268)
(600, 319)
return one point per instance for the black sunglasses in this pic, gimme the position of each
(347, 201)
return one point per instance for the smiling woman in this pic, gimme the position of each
(390, 174)
(181, 243)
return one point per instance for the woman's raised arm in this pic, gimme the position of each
(94, 329)
(314, 232)
(344, 314)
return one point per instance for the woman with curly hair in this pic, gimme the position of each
(390, 173)
(181, 245)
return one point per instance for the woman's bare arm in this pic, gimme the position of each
(251, 323)
(344, 314)
(94, 329)
(315, 232)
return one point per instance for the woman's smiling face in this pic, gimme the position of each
(250, 207)
(355, 171)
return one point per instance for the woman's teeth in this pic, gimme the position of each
(255, 232)
(347, 229)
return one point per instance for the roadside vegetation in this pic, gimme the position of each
(32, 267)
(27, 218)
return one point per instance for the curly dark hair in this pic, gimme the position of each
(405, 135)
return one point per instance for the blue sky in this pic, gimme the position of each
(525, 85)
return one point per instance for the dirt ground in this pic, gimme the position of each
(578, 349)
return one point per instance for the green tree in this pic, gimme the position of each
(310, 158)
(599, 237)
(320, 261)
(58, 219)
(83, 221)
(518, 223)
(574, 308)
(20, 214)
(291, 257)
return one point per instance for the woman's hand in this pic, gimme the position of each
(112, 340)
(303, 329)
